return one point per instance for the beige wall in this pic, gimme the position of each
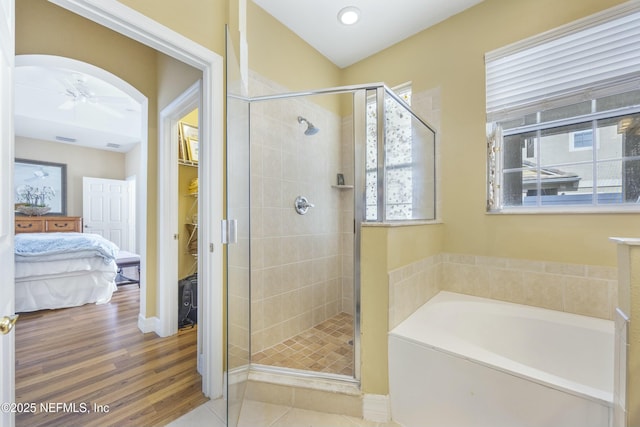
(450, 56)
(80, 162)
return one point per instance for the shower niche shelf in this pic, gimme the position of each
(342, 187)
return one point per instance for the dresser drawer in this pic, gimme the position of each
(48, 224)
(61, 225)
(29, 226)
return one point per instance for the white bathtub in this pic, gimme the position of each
(463, 361)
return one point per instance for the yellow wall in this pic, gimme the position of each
(279, 55)
(187, 208)
(202, 21)
(451, 56)
(384, 249)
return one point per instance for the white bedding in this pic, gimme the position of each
(64, 280)
(62, 266)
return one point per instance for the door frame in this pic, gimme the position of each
(7, 342)
(128, 22)
(168, 218)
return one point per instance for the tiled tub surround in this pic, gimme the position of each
(573, 288)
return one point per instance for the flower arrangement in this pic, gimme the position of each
(33, 200)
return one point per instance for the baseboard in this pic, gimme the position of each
(148, 324)
(376, 407)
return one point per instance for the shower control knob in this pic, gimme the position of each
(302, 205)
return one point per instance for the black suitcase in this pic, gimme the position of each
(188, 301)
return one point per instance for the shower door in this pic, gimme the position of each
(237, 231)
(302, 235)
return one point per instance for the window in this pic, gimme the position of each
(582, 140)
(564, 117)
(398, 126)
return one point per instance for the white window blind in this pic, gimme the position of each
(570, 64)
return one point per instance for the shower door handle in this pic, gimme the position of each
(229, 231)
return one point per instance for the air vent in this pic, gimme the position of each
(65, 139)
(112, 145)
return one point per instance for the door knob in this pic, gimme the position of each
(7, 323)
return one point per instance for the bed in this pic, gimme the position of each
(59, 270)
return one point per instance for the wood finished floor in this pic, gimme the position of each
(95, 354)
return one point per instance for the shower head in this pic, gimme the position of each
(311, 129)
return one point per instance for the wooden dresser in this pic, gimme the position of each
(48, 224)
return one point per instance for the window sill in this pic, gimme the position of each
(401, 223)
(568, 210)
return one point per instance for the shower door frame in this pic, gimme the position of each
(360, 93)
(359, 142)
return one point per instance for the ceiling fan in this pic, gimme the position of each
(78, 92)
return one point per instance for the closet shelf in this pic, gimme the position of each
(184, 162)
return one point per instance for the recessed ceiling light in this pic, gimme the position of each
(349, 15)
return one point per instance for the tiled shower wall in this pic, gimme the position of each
(575, 288)
(297, 260)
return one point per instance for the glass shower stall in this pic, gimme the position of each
(305, 170)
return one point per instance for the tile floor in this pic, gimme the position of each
(327, 347)
(259, 414)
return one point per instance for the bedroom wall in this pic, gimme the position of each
(80, 162)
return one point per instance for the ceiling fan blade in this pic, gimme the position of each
(67, 105)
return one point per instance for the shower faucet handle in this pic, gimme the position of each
(302, 205)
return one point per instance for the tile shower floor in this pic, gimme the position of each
(327, 347)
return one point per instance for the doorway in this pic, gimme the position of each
(170, 194)
(122, 20)
(125, 21)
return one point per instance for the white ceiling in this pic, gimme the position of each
(66, 105)
(382, 23)
(62, 104)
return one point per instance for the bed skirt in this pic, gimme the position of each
(68, 290)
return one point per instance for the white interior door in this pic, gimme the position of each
(7, 341)
(106, 210)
